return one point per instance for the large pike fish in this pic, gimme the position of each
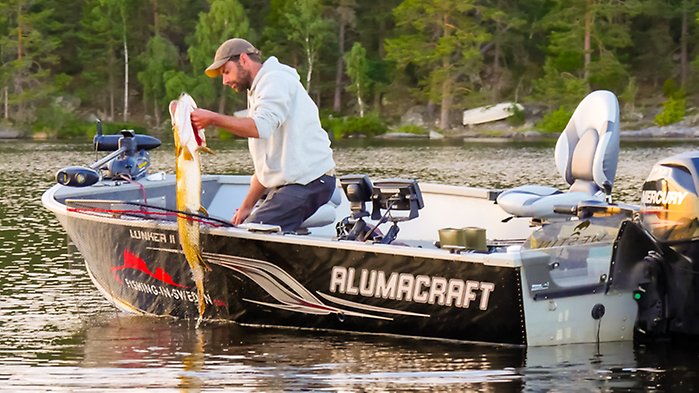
(189, 142)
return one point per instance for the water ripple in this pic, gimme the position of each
(57, 333)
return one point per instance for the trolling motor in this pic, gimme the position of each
(129, 159)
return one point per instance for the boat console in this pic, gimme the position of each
(388, 197)
(358, 189)
(396, 195)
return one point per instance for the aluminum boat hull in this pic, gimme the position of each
(315, 281)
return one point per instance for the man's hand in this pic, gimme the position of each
(254, 194)
(243, 127)
(240, 215)
(202, 118)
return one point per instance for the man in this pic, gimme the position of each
(290, 150)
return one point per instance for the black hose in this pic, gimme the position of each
(199, 216)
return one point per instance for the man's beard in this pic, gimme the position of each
(244, 81)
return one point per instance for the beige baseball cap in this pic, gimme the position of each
(227, 50)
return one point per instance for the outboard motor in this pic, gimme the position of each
(668, 290)
(669, 202)
(129, 158)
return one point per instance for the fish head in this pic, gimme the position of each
(186, 133)
(173, 108)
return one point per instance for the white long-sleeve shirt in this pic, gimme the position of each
(292, 146)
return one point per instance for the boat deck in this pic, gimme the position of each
(444, 207)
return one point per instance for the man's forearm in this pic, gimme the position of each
(241, 126)
(254, 193)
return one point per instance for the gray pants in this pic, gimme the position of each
(290, 205)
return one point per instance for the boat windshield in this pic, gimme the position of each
(569, 258)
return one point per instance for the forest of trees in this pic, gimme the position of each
(64, 63)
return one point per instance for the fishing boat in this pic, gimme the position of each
(529, 266)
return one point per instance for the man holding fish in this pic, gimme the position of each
(290, 150)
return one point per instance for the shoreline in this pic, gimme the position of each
(493, 132)
(684, 130)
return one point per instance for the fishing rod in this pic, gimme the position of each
(201, 217)
(144, 213)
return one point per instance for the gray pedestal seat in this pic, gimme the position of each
(586, 155)
(325, 215)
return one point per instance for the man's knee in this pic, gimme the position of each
(289, 206)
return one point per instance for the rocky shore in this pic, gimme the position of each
(686, 129)
(501, 130)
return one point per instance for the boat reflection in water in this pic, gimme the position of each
(121, 349)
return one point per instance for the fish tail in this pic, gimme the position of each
(198, 276)
(204, 263)
(202, 300)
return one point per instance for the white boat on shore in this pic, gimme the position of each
(489, 113)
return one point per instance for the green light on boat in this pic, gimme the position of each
(637, 296)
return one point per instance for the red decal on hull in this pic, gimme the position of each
(133, 261)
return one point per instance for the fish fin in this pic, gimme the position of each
(187, 155)
(205, 150)
(203, 211)
(204, 263)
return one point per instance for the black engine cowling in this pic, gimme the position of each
(668, 284)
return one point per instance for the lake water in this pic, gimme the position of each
(58, 334)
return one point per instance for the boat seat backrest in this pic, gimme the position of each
(586, 156)
(325, 215)
(580, 167)
(587, 150)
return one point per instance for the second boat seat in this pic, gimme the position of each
(325, 215)
(586, 156)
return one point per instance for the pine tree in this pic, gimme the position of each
(345, 12)
(26, 53)
(225, 19)
(160, 56)
(104, 50)
(311, 31)
(585, 41)
(506, 53)
(442, 40)
(375, 23)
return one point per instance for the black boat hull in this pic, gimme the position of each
(267, 282)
